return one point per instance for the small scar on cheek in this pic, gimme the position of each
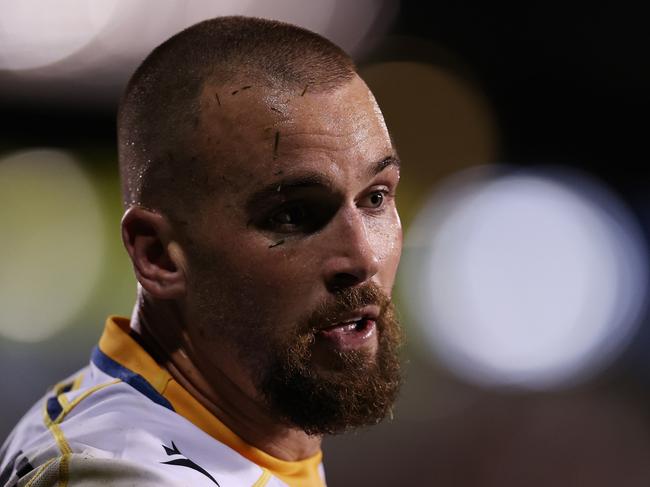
(279, 242)
(277, 173)
(216, 95)
(304, 91)
(275, 110)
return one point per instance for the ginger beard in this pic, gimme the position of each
(356, 388)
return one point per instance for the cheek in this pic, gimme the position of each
(274, 277)
(387, 241)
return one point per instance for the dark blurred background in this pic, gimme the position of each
(523, 289)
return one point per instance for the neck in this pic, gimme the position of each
(160, 329)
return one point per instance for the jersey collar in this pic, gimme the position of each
(119, 355)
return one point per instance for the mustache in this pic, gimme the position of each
(345, 301)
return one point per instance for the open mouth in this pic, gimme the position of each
(350, 334)
(349, 326)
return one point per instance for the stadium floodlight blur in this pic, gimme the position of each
(440, 121)
(530, 278)
(52, 246)
(99, 43)
(37, 33)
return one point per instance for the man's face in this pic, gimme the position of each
(293, 257)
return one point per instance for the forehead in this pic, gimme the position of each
(249, 134)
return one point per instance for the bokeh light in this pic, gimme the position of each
(440, 122)
(532, 279)
(36, 33)
(52, 245)
(349, 24)
(85, 51)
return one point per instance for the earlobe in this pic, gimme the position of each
(158, 261)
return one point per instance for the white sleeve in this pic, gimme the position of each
(82, 470)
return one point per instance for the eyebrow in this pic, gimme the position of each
(311, 180)
(383, 164)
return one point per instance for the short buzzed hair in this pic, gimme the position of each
(161, 103)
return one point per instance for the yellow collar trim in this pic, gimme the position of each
(122, 348)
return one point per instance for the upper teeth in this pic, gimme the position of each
(353, 320)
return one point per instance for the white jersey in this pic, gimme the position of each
(123, 420)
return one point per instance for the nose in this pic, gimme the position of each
(351, 257)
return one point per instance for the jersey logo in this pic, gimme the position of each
(185, 462)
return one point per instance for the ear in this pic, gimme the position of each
(158, 261)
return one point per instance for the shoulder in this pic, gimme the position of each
(80, 469)
(95, 426)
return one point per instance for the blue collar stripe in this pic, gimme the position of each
(139, 383)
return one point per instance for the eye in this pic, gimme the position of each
(294, 215)
(375, 199)
(298, 217)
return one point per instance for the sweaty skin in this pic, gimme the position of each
(252, 262)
